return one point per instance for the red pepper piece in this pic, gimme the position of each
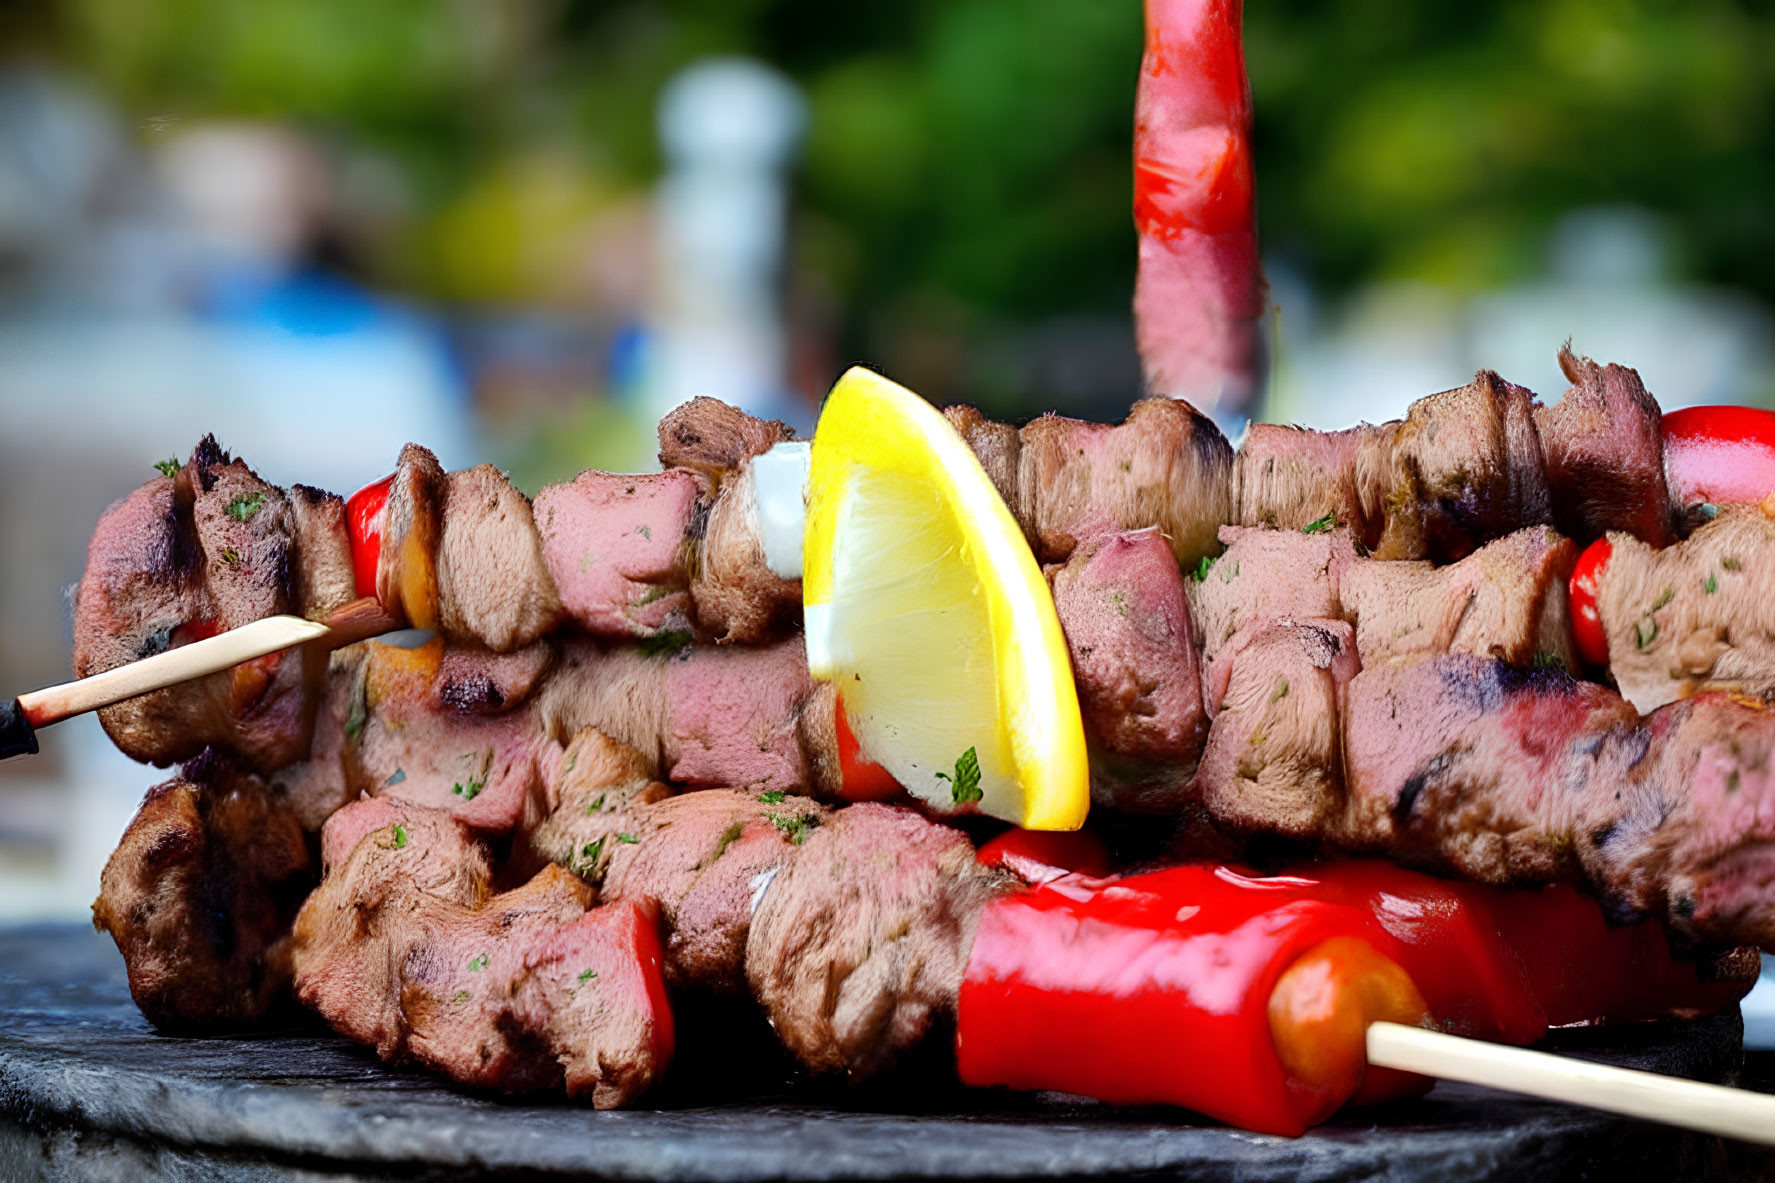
(1157, 988)
(862, 778)
(1587, 631)
(1719, 455)
(1038, 856)
(364, 512)
(1199, 294)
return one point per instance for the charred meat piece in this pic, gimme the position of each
(1604, 445)
(493, 586)
(1166, 466)
(710, 437)
(405, 947)
(1695, 616)
(210, 547)
(1273, 760)
(324, 579)
(1463, 467)
(618, 547)
(199, 896)
(1122, 606)
(1505, 600)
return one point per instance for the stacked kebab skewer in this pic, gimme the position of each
(609, 782)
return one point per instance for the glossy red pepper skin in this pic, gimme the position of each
(1155, 988)
(1040, 856)
(862, 779)
(364, 512)
(1199, 294)
(1719, 455)
(1587, 631)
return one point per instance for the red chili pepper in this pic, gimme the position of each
(1159, 988)
(862, 778)
(363, 526)
(1038, 856)
(1587, 631)
(1199, 293)
(1719, 455)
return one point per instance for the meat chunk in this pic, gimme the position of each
(493, 587)
(208, 548)
(199, 896)
(1694, 616)
(1291, 477)
(1122, 606)
(857, 947)
(1463, 467)
(404, 947)
(1604, 445)
(477, 682)
(325, 582)
(713, 438)
(704, 717)
(1505, 600)
(619, 546)
(1166, 466)
(738, 598)
(1274, 753)
(1264, 576)
(997, 446)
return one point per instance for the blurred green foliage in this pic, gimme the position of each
(973, 155)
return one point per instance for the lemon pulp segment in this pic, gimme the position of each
(925, 606)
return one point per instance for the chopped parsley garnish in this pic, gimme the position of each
(1120, 601)
(400, 835)
(1644, 633)
(359, 714)
(478, 964)
(471, 788)
(665, 644)
(1227, 576)
(1203, 566)
(572, 759)
(1731, 564)
(964, 786)
(1711, 585)
(1546, 659)
(461, 996)
(774, 797)
(728, 837)
(395, 778)
(658, 591)
(1664, 599)
(586, 975)
(589, 854)
(1280, 692)
(167, 467)
(796, 828)
(242, 509)
(644, 532)
(629, 838)
(595, 806)
(1320, 525)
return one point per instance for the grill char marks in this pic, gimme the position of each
(1604, 445)
(199, 896)
(210, 547)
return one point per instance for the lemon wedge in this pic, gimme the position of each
(924, 604)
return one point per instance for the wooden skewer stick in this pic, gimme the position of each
(20, 718)
(274, 633)
(1710, 1108)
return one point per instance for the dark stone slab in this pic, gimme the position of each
(88, 1090)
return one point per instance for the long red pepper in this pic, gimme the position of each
(1156, 988)
(1200, 292)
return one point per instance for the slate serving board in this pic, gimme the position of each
(88, 1090)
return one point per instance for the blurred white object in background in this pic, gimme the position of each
(730, 128)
